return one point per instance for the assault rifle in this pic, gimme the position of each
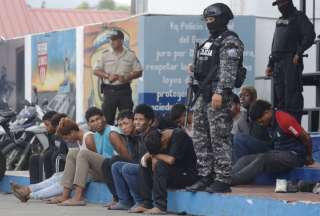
(191, 84)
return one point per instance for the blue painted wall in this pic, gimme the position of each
(166, 48)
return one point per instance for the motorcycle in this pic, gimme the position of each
(6, 116)
(26, 135)
(2, 165)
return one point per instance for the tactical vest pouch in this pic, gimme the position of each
(241, 76)
(207, 93)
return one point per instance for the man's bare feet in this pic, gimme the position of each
(21, 192)
(57, 200)
(138, 209)
(15, 185)
(110, 204)
(72, 202)
(155, 211)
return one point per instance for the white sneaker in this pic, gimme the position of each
(281, 186)
(316, 189)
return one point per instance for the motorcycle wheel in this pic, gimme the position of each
(12, 157)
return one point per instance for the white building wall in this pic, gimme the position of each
(261, 8)
(183, 7)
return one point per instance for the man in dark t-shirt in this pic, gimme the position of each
(169, 163)
(133, 126)
(292, 145)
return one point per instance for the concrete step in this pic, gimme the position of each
(307, 173)
(250, 200)
(316, 146)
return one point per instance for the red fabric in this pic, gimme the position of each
(288, 124)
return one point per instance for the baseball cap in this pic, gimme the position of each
(116, 34)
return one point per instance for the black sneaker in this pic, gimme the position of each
(304, 186)
(218, 187)
(201, 184)
(292, 187)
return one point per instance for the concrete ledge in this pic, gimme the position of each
(236, 205)
(5, 182)
(316, 146)
(248, 201)
(98, 192)
(309, 174)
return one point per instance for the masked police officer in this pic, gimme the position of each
(293, 35)
(218, 60)
(117, 68)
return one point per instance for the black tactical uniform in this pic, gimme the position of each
(293, 35)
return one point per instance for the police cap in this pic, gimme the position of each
(116, 34)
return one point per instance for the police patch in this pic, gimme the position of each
(232, 53)
(207, 45)
(205, 52)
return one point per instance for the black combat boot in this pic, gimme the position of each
(201, 184)
(218, 187)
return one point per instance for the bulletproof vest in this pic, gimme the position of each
(207, 58)
(286, 37)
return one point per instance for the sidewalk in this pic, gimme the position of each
(10, 206)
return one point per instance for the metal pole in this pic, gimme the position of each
(303, 6)
(318, 54)
(133, 7)
(314, 13)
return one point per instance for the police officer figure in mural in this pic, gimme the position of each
(117, 68)
(220, 56)
(293, 35)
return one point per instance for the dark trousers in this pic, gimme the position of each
(48, 163)
(250, 166)
(244, 144)
(116, 98)
(156, 183)
(107, 174)
(288, 86)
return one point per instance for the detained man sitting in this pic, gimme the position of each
(126, 173)
(246, 140)
(292, 145)
(169, 163)
(80, 163)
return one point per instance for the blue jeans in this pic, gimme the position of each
(244, 144)
(126, 180)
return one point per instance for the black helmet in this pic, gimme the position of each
(281, 2)
(217, 10)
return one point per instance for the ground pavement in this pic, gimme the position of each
(10, 206)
